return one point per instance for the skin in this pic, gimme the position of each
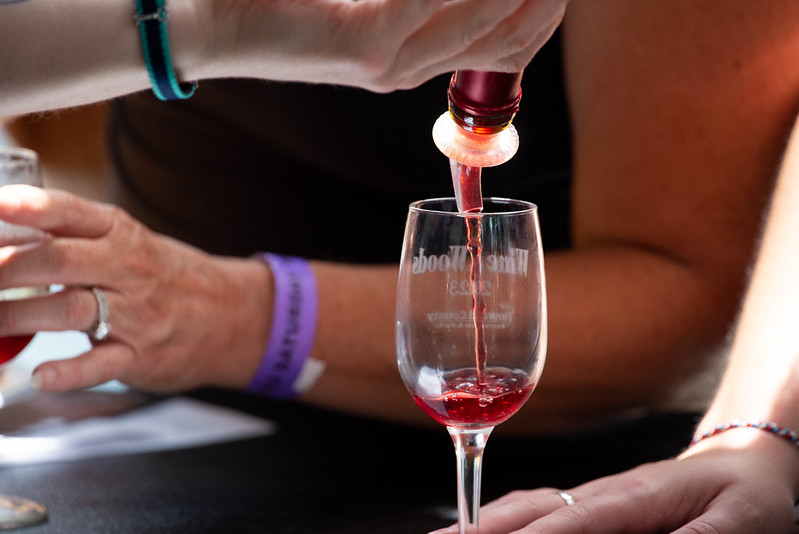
(380, 45)
(723, 490)
(738, 482)
(675, 152)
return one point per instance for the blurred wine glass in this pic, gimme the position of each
(471, 322)
(18, 166)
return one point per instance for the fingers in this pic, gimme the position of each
(515, 510)
(727, 514)
(70, 309)
(507, 45)
(601, 506)
(601, 514)
(53, 211)
(67, 261)
(14, 234)
(452, 29)
(520, 508)
(406, 16)
(101, 364)
(73, 252)
(517, 38)
(509, 48)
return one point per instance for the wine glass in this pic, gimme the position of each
(471, 323)
(18, 166)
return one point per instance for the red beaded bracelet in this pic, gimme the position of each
(766, 426)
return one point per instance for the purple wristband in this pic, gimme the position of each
(293, 327)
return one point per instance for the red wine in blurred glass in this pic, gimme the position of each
(466, 402)
(10, 346)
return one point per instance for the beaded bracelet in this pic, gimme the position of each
(766, 426)
(286, 369)
(151, 18)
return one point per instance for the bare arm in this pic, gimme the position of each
(761, 382)
(57, 54)
(60, 53)
(678, 129)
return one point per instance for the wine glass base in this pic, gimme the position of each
(16, 512)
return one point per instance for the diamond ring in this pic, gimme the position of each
(101, 328)
(568, 499)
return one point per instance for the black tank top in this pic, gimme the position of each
(320, 171)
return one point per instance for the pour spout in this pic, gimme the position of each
(476, 131)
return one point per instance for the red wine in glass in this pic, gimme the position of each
(471, 319)
(469, 402)
(10, 346)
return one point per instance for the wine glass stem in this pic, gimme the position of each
(469, 446)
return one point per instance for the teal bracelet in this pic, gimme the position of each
(151, 18)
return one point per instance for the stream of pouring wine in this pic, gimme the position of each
(469, 196)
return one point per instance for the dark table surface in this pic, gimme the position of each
(319, 473)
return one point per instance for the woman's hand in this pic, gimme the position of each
(179, 317)
(718, 488)
(380, 45)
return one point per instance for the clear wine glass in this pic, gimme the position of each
(18, 166)
(471, 323)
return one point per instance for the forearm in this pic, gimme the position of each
(762, 379)
(616, 323)
(355, 339)
(761, 382)
(658, 169)
(630, 329)
(60, 53)
(91, 54)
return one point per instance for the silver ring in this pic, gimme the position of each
(568, 499)
(101, 328)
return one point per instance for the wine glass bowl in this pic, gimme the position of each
(471, 321)
(18, 166)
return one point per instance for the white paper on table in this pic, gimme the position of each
(174, 423)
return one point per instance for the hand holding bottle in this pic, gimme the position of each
(382, 45)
